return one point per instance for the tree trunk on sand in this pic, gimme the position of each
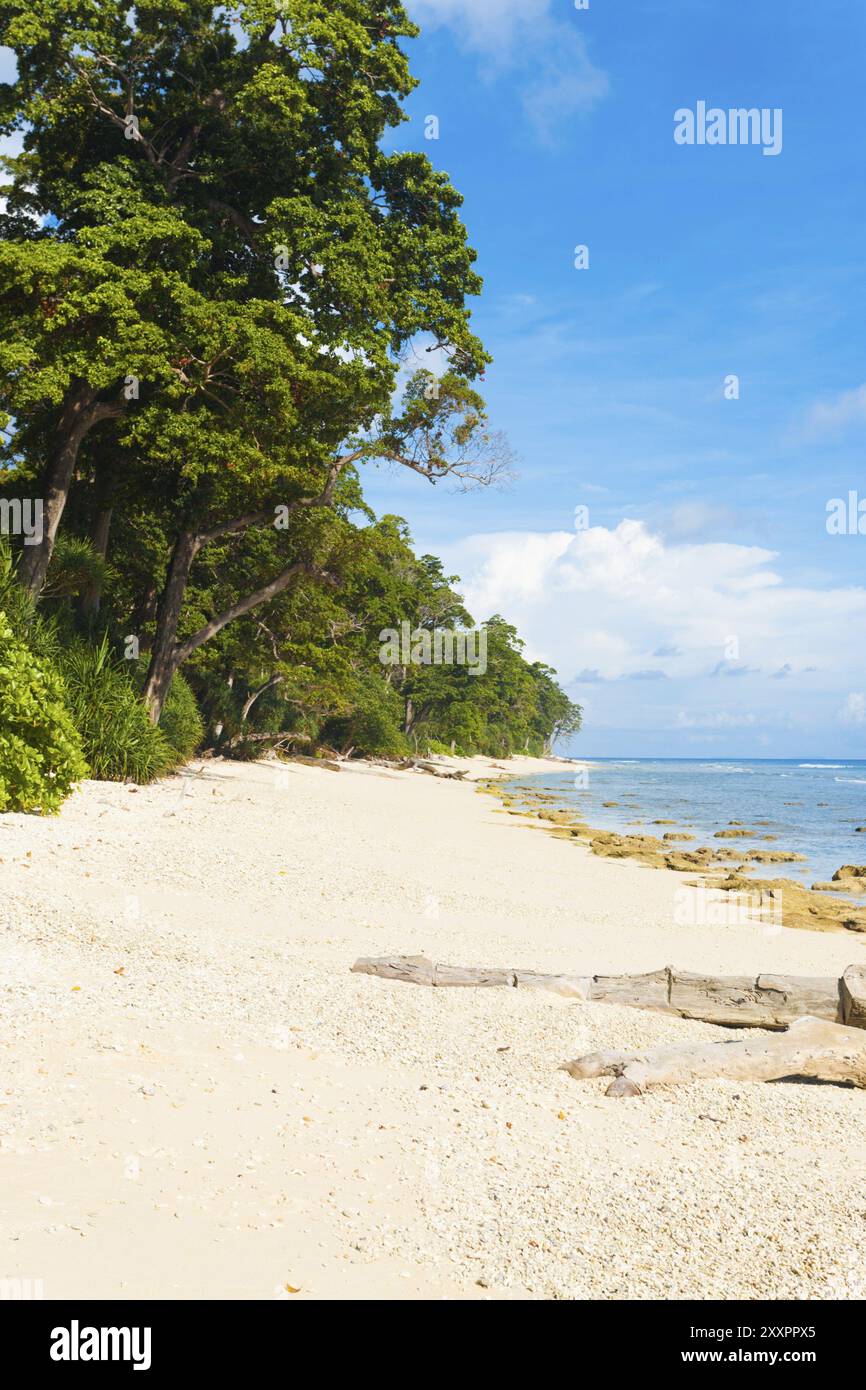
(81, 412)
(734, 1001)
(811, 1048)
(831, 1047)
(91, 594)
(852, 989)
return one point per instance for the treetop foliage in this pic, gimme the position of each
(211, 278)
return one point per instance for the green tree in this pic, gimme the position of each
(307, 257)
(210, 277)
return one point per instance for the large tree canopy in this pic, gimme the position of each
(211, 276)
(210, 257)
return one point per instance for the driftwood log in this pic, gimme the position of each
(435, 769)
(734, 1001)
(279, 740)
(313, 762)
(823, 1020)
(811, 1047)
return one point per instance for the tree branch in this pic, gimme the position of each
(237, 610)
(260, 518)
(228, 528)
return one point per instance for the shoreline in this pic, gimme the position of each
(201, 1099)
(721, 870)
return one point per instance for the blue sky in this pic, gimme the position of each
(705, 609)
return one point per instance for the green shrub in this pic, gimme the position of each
(103, 695)
(180, 721)
(40, 751)
(373, 727)
(74, 565)
(434, 745)
(39, 633)
(118, 738)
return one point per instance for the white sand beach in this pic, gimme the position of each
(199, 1099)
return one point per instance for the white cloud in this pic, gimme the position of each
(532, 36)
(854, 710)
(491, 25)
(836, 414)
(566, 83)
(608, 601)
(715, 719)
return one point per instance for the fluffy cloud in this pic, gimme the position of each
(605, 604)
(532, 36)
(491, 25)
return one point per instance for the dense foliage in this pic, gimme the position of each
(119, 740)
(40, 750)
(211, 274)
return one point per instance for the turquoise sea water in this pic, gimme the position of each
(812, 806)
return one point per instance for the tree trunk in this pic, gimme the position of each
(251, 699)
(164, 659)
(81, 412)
(143, 613)
(91, 594)
(811, 1047)
(168, 654)
(732, 1001)
(238, 610)
(218, 728)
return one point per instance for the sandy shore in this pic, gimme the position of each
(200, 1099)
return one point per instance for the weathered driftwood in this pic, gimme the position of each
(811, 1047)
(424, 765)
(418, 970)
(736, 1001)
(438, 770)
(852, 988)
(313, 762)
(280, 740)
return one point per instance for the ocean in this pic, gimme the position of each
(812, 806)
